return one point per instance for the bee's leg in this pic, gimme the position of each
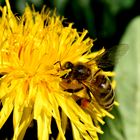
(97, 72)
(73, 90)
(89, 93)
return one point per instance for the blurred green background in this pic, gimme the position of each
(111, 22)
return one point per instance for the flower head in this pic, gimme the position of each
(30, 47)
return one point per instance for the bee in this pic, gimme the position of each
(94, 82)
(82, 77)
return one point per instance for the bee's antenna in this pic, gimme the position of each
(59, 62)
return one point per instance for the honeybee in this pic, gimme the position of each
(82, 77)
(95, 83)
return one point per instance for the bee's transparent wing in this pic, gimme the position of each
(111, 56)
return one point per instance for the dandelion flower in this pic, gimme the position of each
(30, 46)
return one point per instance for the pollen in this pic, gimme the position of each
(30, 47)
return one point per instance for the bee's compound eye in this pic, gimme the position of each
(68, 65)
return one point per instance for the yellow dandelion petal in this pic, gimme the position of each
(25, 120)
(44, 123)
(6, 110)
(33, 51)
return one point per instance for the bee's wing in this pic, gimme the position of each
(110, 56)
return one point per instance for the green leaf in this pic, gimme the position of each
(128, 82)
(113, 128)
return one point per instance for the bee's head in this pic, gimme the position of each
(68, 65)
(78, 71)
